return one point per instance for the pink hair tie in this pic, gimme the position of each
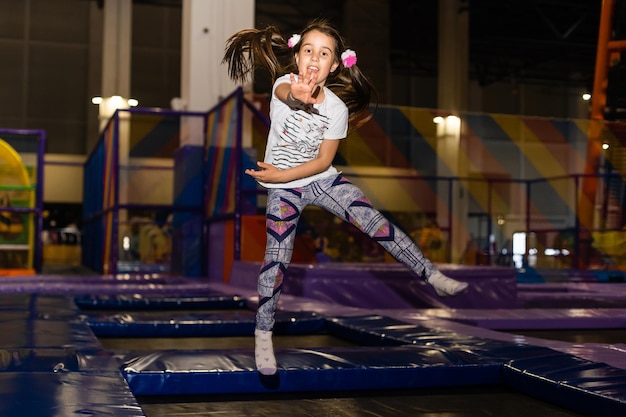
(293, 41)
(348, 57)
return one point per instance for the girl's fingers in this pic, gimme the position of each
(312, 76)
(305, 84)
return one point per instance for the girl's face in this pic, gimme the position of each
(317, 54)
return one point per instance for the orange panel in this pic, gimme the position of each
(252, 238)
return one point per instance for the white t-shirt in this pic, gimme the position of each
(295, 136)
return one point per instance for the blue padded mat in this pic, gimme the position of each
(138, 302)
(400, 355)
(227, 323)
(300, 370)
(396, 355)
(590, 388)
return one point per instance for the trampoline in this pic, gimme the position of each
(65, 353)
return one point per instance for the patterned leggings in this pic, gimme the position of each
(343, 199)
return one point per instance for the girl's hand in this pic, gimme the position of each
(266, 173)
(304, 89)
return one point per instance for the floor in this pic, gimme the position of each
(461, 402)
(482, 401)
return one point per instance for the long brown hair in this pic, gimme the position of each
(267, 49)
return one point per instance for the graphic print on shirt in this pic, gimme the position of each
(300, 139)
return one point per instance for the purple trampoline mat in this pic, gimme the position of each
(387, 285)
(105, 285)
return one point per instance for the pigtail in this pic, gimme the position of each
(356, 91)
(252, 49)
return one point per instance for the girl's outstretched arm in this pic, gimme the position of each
(269, 173)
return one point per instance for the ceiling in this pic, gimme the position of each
(525, 41)
(529, 41)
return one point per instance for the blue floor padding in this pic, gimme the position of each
(51, 362)
(43, 394)
(60, 307)
(46, 334)
(39, 360)
(42, 363)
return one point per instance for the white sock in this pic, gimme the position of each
(264, 352)
(445, 286)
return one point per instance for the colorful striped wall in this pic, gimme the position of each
(526, 170)
(510, 173)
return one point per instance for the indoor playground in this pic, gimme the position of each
(158, 319)
(173, 321)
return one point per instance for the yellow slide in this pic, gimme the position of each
(14, 182)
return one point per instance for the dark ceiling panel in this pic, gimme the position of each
(537, 41)
(532, 41)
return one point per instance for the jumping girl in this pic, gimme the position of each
(319, 93)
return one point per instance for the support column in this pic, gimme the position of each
(206, 26)
(204, 80)
(116, 60)
(116, 57)
(116, 66)
(95, 69)
(452, 97)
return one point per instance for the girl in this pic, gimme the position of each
(310, 113)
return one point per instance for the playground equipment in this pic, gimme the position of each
(129, 192)
(21, 182)
(608, 55)
(526, 179)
